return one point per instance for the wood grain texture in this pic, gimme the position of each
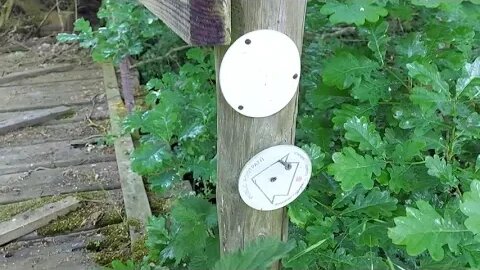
(31, 220)
(42, 96)
(240, 137)
(49, 253)
(135, 197)
(49, 155)
(31, 118)
(35, 72)
(20, 187)
(197, 22)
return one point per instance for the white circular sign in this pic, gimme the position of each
(260, 72)
(275, 177)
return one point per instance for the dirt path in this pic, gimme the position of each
(61, 157)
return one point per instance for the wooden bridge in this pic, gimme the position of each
(61, 197)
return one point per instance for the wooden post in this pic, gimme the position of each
(216, 22)
(240, 137)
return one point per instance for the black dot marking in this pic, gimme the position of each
(240, 107)
(248, 41)
(288, 167)
(273, 179)
(295, 76)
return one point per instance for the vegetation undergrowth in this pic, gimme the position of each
(389, 113)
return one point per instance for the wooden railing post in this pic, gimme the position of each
(241, 137)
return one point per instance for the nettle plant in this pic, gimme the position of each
(391, 113)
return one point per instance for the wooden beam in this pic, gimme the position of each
(34, 73)
(30, 118)
(240, 137)
(31, 220)
(197, 22)
(135, 197)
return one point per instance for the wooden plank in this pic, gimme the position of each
(48, 253)
(51, 133)
(31, 220)
(50, 155)
(240, 137)
(135, 197)
(31, 118)
(34, 72)
(197, 22)
(81, 73)
(27, 97)
(20, 186)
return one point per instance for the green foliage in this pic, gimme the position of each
(180, 125)
(259, 255)
(424, 229)
(400, 98)
(129, 28)
(354, 11)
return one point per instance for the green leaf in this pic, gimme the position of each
(424, 229)
(470, 206)
(259, 255)
(347, 111)
(469, 125)
(377, 39)
(150, 158)
(158, 237)
(406, 151)
(316, 156)
(477, 164)
(192, 218)
(351, 169)
(375, 204)
(163, 181)
(429, 100)
(345, 69)
(353, 11)
(471, 73)
(434, 3)
(439, 168)
(364, 132)
(82, 25)
(372, 89)
(428, 74)
(118, 265)
(411, 45)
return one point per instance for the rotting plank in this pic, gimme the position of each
(52, 133)
(97, 110)
(77, 74)
(59, 252)
(197, 22)
(31, 220)
(34, 72)
(50, 155)
(135, 197)
(31, 118)
(22, 186)
(21, 98)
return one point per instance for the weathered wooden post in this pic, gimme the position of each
(207, 22)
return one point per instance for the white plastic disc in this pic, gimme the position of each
(275, 177)
(260, 72)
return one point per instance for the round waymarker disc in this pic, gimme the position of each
(275, 177)
(260, 72)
